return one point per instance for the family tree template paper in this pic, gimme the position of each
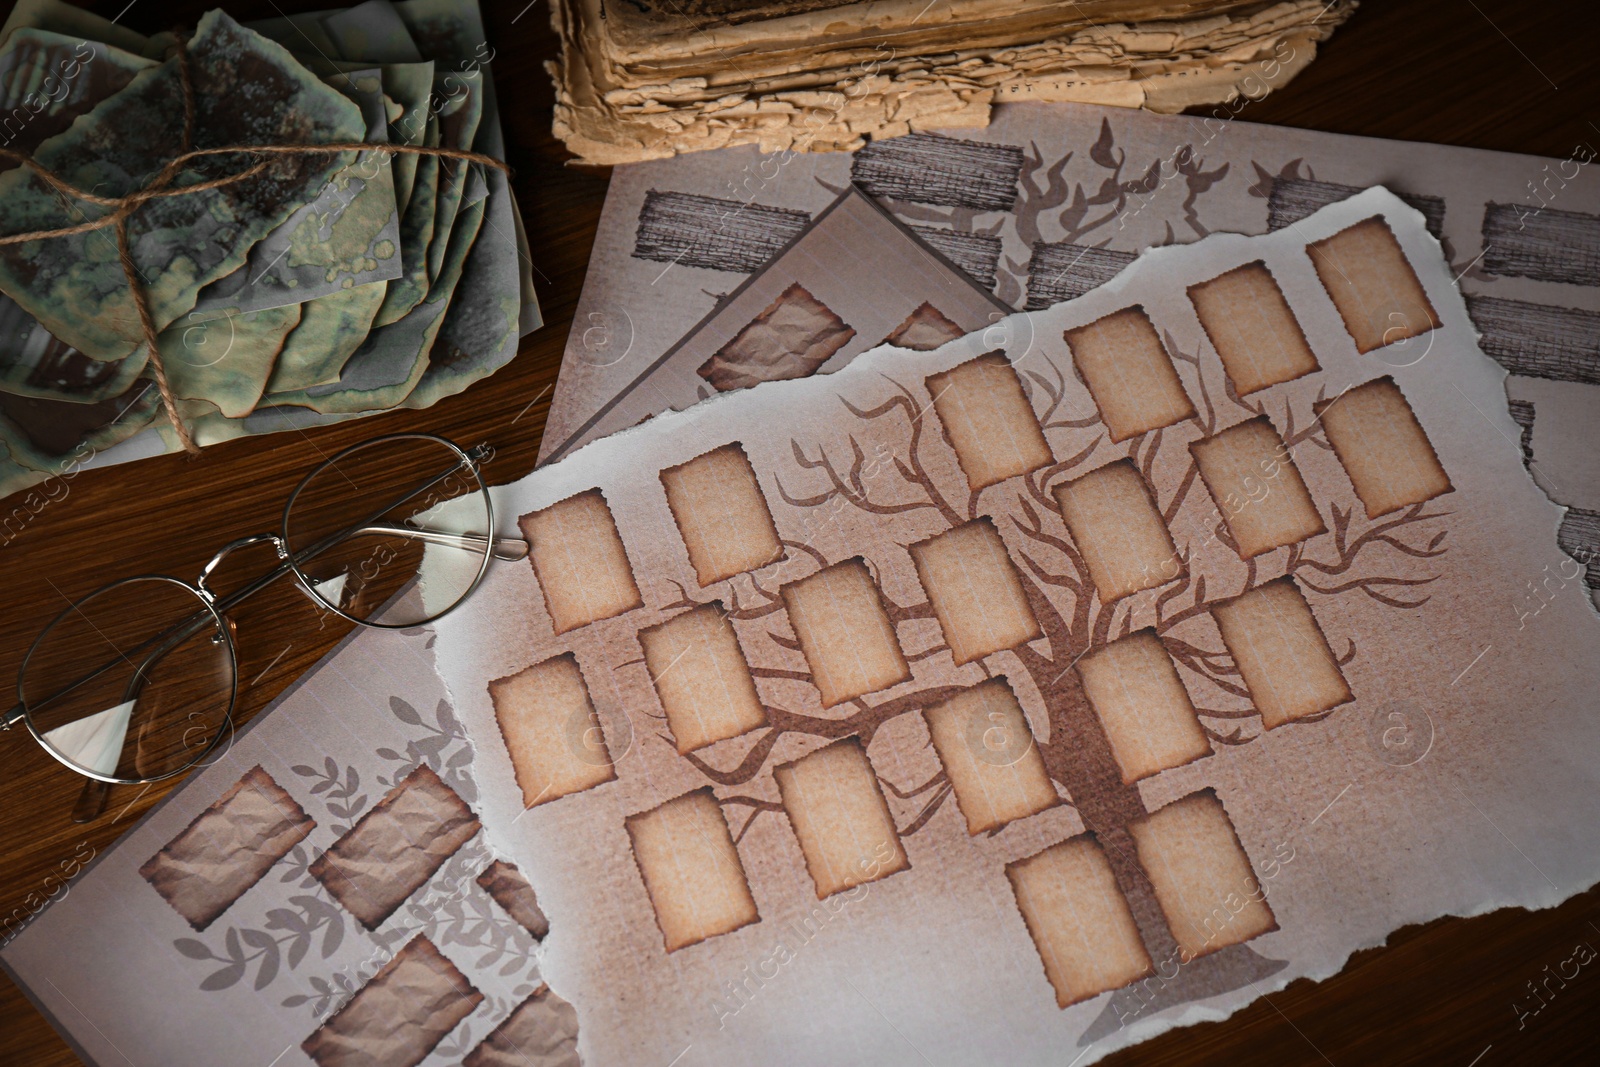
(1098, 671)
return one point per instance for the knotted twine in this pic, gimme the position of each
(123, 207)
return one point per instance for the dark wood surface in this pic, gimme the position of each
(1483, 73)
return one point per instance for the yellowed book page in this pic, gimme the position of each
(975, 590)
(1249, 323)
(551, 730)
(1129, 373)
(1382, 447)
(691, 869)
(990, 757)
(1257, 487)
(1114, 522)
(1079, 920)
(721, 514)
(988, 421)
(1370, 281)
(1142, 704)
(702, 678)
(1281, 653)
(582, 566)
(838, 813)
(1201, 874)
(846, 636)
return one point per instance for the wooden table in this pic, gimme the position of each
(1483, 73)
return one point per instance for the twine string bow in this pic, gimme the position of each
(160, 187)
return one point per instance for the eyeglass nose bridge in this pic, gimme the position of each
(273, 539)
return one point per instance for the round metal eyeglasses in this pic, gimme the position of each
(137, 681)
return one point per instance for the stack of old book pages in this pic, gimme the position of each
(331, 286)
(646, 79)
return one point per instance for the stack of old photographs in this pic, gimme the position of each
(649, 79)
(331, 286)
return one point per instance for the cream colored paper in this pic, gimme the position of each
(1456, 781)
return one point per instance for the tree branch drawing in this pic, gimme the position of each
(1059, 211)
(1386, 561)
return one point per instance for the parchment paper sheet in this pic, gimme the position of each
(1488, 801)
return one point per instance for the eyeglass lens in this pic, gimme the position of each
(135, 682)
(388, 490)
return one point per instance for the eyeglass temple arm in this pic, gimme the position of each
(504, 548)
(509, 549)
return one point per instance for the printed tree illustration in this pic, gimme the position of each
(1057, 211)
(1381, 559)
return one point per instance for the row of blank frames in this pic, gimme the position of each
(1131, 376)
(418, 996)
(1111, 512)
(727, 528)
(849, 640)
(373, 867)
(1081, 923)
(582, 564)
(1244, 313)
(703, 679)
(847, 834)
(690, 865)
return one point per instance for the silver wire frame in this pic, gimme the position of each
(213, 608)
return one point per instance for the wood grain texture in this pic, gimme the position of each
(1446, 71)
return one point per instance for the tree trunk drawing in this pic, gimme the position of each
(1378, 559)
